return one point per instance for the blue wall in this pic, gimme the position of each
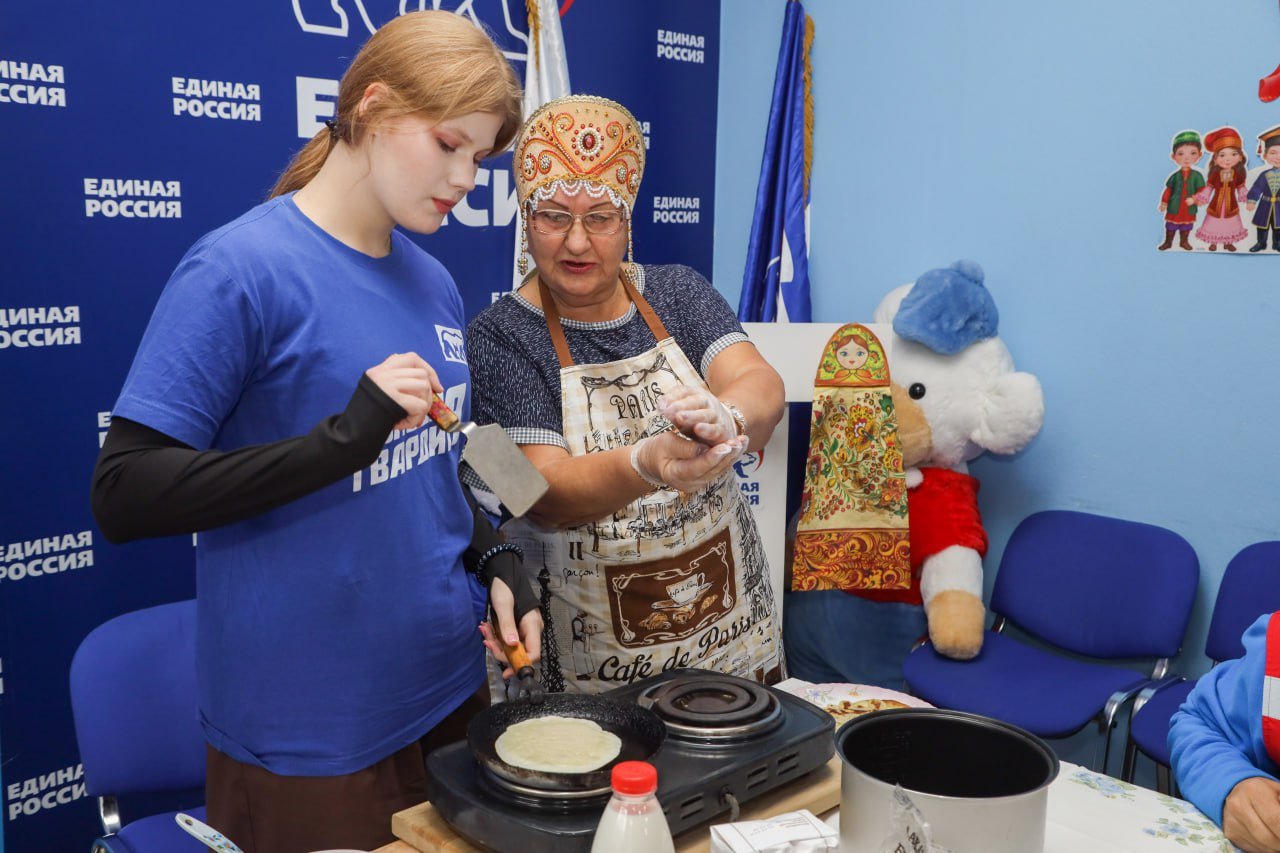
(1033, 137)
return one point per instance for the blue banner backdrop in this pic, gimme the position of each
(131, 129)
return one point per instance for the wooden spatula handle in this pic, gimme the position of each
(443, 415)
(516, 655)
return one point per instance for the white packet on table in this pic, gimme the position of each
(792, 832)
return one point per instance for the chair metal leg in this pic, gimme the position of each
(1110, 712)
(1164, 779)
(1104, 732)
(109, 814)
(1130, 759)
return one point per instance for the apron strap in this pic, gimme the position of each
(554, 326)
(1271, 691)
(552, 316)
(650, 318)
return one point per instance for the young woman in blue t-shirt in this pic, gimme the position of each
(276, 405)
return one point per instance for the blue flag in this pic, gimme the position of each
(775, 283)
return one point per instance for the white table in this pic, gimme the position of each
(1088, 812)
(1093, 813)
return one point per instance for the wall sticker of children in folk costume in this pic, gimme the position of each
(1223, 191)
(1264, 191)
(1177, 204)
(1221, 196)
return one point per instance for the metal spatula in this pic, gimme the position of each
(496, 458)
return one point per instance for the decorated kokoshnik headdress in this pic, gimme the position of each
(579, 143)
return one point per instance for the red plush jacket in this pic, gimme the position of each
(943, 512)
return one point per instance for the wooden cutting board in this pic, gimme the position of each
(421, 828)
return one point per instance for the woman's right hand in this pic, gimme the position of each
(685, 464)
(411, 382)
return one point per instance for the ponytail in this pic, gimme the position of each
(305, 165)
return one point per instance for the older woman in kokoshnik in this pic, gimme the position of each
(633, 389)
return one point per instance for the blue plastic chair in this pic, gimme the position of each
(1250, 587)
(1100, 589)
(133, 697)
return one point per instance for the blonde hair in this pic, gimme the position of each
(437, 64)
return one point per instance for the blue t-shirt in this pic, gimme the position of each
(340, 627)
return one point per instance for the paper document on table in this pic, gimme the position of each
(793, 832)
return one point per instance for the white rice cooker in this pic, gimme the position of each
(981, 784)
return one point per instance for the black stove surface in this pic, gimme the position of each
(696, 781)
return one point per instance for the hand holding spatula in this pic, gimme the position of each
(523, 685)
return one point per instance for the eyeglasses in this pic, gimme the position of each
(596, 222)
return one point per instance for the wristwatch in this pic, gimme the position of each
(739, 419)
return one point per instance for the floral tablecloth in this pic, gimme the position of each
(1101, 814)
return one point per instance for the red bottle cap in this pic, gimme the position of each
(634, 778)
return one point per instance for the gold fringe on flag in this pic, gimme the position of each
(808, 103)
(535, 28)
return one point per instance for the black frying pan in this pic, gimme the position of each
(641, 731)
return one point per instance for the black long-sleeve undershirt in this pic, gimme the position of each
(504, 564)
(149, 484)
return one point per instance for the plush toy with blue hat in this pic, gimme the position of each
(956, 396)
(947, 310)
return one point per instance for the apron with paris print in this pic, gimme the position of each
(670, 580)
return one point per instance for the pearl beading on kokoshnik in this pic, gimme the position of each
(574, 186)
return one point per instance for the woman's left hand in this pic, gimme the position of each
(699, 414)
(528, 630)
